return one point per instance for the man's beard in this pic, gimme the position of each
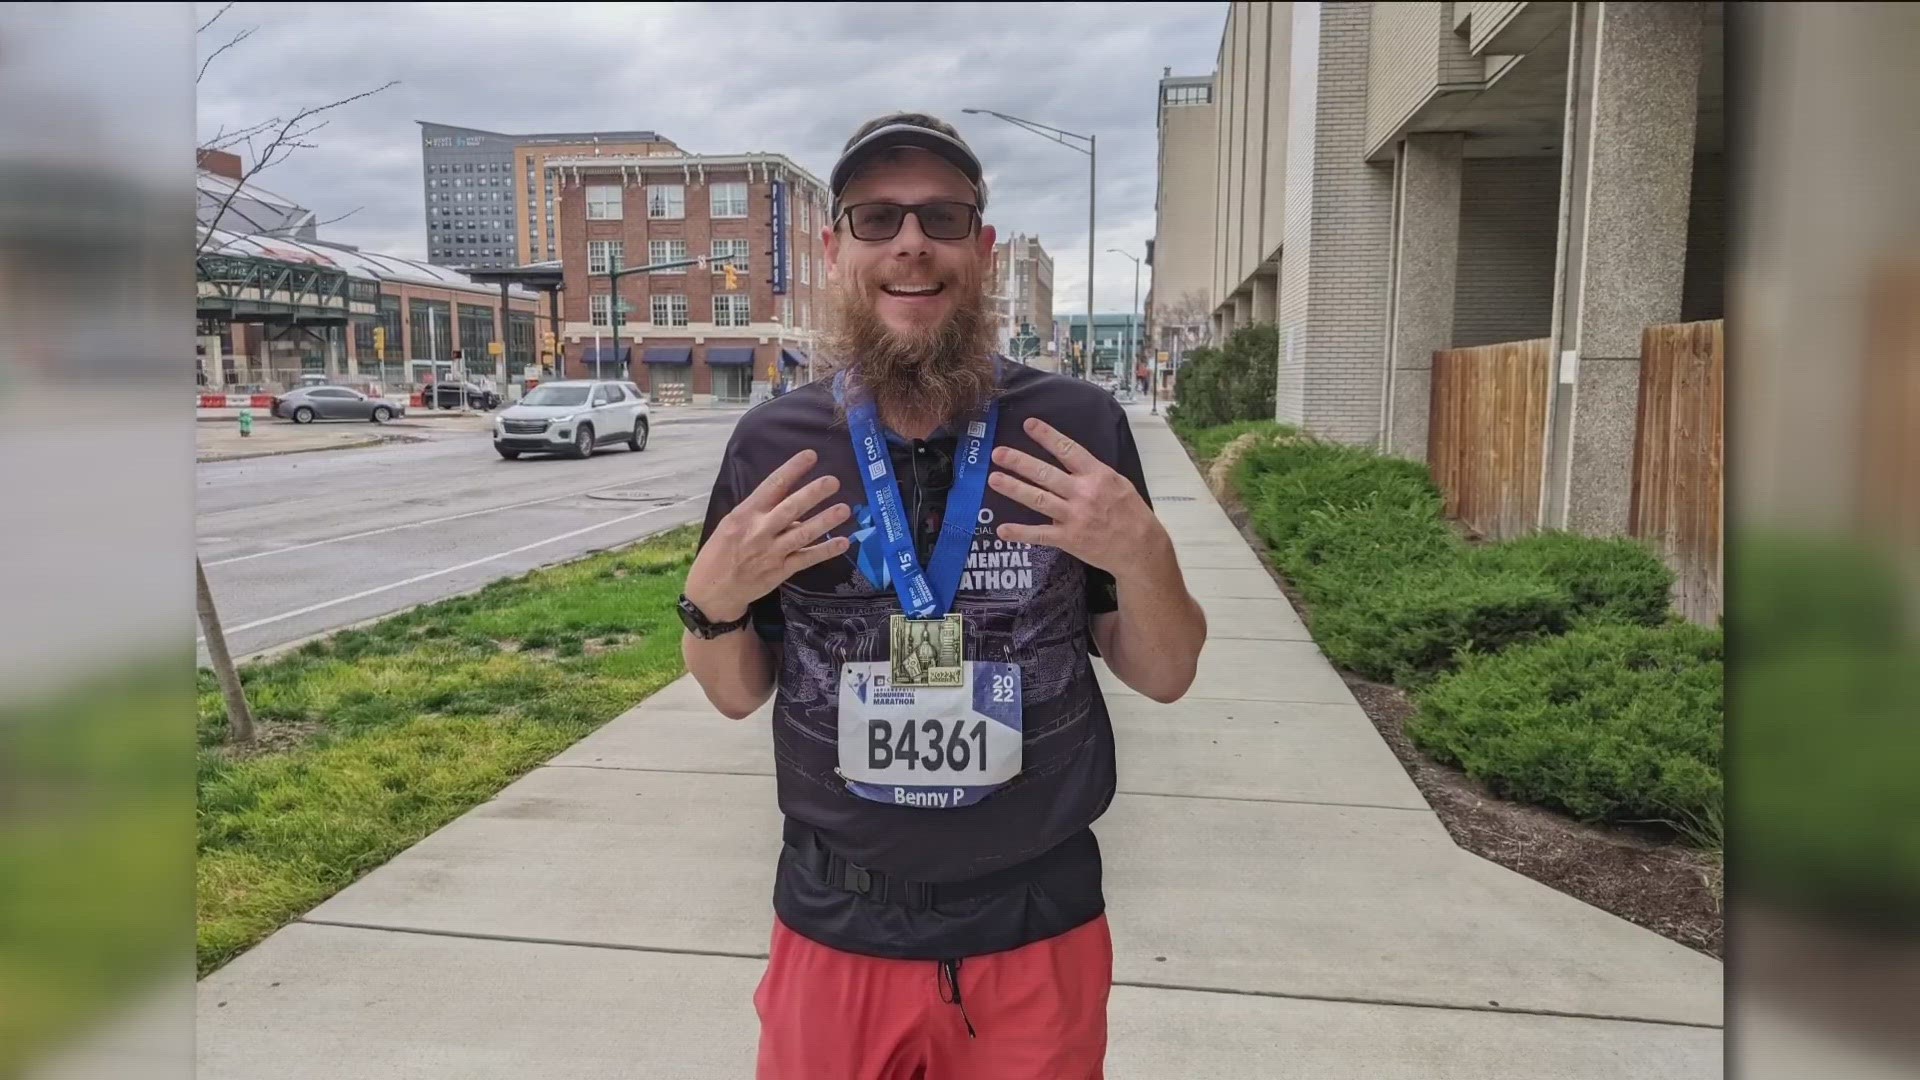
(937, 373)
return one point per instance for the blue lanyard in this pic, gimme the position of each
(928, 593)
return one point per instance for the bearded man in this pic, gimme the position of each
(938, 903)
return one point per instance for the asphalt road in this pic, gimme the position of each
(302, 544)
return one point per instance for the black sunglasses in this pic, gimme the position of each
(938, 220)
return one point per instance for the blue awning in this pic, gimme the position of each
(668, 354)
(729, 356)
(793, 358)
(607, 354)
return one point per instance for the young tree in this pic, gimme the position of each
(266, 144)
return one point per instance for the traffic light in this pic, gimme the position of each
(733, 276)
(379, 341)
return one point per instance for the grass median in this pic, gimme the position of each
(373, 738)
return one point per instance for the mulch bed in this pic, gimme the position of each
(1647, 878)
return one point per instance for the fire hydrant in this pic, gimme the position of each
(246, 421)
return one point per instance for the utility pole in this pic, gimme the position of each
(1092, 151)
(1133, 321)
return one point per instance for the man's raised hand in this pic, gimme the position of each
(766, 539)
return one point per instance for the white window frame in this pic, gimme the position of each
(718, 208)
(741, 250)
(736, 308)
(599, 309)
(602, 253)
(666, 202)
(598, 206)
(659, 251)
(786, 311)
(806, 269)
(675, 305)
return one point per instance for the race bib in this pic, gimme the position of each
(933, 747)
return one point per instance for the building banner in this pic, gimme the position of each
(780, 238)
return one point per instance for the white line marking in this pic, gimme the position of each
(418, 578)
(430, 521)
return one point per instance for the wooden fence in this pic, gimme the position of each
(1485, 434)
(1679, 445)
(1887, 501)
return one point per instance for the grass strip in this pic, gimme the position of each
(373, 738)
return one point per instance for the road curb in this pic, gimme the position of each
(274, 651)
(360, 444)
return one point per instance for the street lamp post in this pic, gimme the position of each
(1093, 159)
(1133, 322)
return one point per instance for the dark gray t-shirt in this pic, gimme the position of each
(1028, 606)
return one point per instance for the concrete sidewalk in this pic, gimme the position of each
(1283, 903)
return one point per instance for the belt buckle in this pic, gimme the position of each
(858, 880)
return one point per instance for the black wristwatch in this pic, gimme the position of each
(696, 621)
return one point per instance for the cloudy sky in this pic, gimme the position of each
(724, 78)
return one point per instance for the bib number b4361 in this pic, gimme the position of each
(925, 746)
(932, 745)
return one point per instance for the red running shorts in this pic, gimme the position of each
(1038, 1012)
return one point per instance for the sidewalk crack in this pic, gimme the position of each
(518, 939)
(1565, 1014)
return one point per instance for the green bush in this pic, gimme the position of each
(1333, 551)
(1232, 382)
(1207, 442)
(1611, 723)
(1803, 593)
(1604, 580)
(1417, 623)
(1283, 483)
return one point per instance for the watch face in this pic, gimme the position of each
(690, 616)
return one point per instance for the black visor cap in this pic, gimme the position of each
(894, 135)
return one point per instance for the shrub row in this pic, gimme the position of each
(1548, 666)
(1234, 381)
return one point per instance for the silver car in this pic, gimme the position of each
(574, 417)
(310, 403)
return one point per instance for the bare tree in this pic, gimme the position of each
(266, 144)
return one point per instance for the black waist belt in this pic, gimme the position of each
(837, 872)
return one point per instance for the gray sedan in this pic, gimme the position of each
(310, 403)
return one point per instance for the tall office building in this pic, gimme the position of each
(1023, 287)
(488, 200)
(1180, 302)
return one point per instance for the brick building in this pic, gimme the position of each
(683, 335)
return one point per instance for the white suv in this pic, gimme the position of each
(573, 417)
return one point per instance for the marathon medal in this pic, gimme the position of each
(927, 727)
(925, 652)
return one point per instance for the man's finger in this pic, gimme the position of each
(1043, 535)
(832, 547)
(780, 481)
(801, 501)
(820, 524)
(1035, 471)
(1040, 499)
(1070, 454)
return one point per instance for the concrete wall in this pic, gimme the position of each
(1403, 63)
(1413, 55)
(1509, 217)
(1303, 76)
(1233, 149)
(1332, 307)
(1483, 20)
(1251, 92)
